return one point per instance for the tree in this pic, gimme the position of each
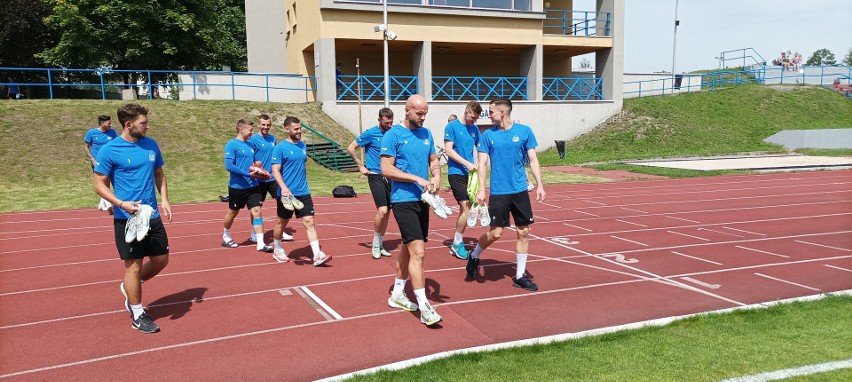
(821, 57)
(23, 33)
(147, 34)
(848, 60)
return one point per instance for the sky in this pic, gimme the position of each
(708, 27)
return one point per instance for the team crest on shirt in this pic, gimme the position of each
(426, 142)
(515, 139)
(151, 156)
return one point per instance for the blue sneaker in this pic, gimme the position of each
(458, 250)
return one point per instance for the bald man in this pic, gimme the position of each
(408, 157)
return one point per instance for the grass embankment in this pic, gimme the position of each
(704, 348)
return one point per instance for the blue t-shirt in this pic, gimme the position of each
(464, 140)
(371, 141)
(98, 139)
(263, 151)
(412, 149)
(239, 156)
(130, 167)
(292, 158)
(507, 150)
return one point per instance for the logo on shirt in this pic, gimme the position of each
(304, 151)
(151, 156)
(426, 142)
(515, 139)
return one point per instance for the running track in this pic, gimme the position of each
(603, 255)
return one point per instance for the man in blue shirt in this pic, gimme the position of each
(133, 164)
(263, 144)
(371, 141)
(460, 139)
(243, 190)
(408, 157)
(512, 141)
(288, 169)
(95, 138)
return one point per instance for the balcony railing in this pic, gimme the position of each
(478, 88)
(576, 23)
(563, 88)
(372, 88)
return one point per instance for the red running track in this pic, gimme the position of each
(603, 254)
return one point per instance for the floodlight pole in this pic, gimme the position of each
(385, 38)
(674, 45)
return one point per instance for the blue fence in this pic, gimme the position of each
(456, 88)
(564, 22)
(563, 89)
(372, 88)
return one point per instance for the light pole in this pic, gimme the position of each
(674, 45)
(386, 35)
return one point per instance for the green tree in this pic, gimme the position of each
(848, 59)
(821, 57)
(23, 33)
(147, 34)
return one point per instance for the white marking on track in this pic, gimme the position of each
(628, 240)
(719, 232)
(684, 219)
(823, 245)
(578, 227)
(696, 258)
(634, 210)
(839, 268)
(627, 222)
(793, 372)
(786, 281)
(321, 303)
(702, 283)
(744, 231)
(587, 213)
(761, 251)
(692, 236)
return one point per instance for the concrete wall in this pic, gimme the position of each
(549, 120)
(213, 86)
(265, 36)
(814, 139)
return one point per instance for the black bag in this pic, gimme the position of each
(343, 192)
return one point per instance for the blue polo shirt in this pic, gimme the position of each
(130, 167)
(98, 139)
(292, 157)
(412, 149)
(464, 140)
(371, 141)
(239, 156)
(263, 151)
(507, 150)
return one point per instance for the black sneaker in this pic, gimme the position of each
(145, 324)
(472, 267)
(524, 282)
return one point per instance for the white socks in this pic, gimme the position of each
(137, 311)
(522, 265)
(226, 236)
(420, 294)
(276, 243)
(476, 251)
(315, 248)
(398, 286)
(458, 238)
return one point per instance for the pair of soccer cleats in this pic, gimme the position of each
(291, 203)
(478, 212)
(256, 170)
(139, 224)
(280, 256)
(439, 206)
(428, 316)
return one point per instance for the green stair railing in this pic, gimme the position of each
(327, 152)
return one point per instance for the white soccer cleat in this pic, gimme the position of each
(429, 199)
(131, 228)
(280, 256)
(287, 202)
(104, 205)
(484, 217)
(473, 215)
(442, 204)
(145, 211)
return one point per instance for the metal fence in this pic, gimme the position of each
(372, 88)
(564, 89)
(456, 88)
(563, 22)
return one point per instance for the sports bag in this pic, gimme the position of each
(343, 192)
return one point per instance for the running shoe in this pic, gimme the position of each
(104, 205)
(386, 253)
(286, 237)
(126, 300)
(376, 251)
(265, 248)
(473, 215)
(321, 258)
(525, 283)
(484, 217)
(145, 211)
(429, 316)
(297, 204)
(442, 204)
(131, 228)
(286, 201)
(145, 324)
(429, 199)
(458, 250)
(401, 301)
(280, 256)
(530, 186)
(472, 267)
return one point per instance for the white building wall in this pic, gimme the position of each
(246, 87)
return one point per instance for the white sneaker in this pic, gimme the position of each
(131, 228)
(287, 202)
(429, 316)
(145, 211)
(104, 205)
(473, 215)
(442, 204)
(484, 217)
(286, 237)
(280, 256)
(321, 258)
(401, 301)
(530, 186)
(429, 199)
(297, 204)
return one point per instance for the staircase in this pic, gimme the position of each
(327, 152)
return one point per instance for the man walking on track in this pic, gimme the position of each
(133, 164)
(460, 139)
(371, 140)
(288, 168)
(505, 145)
(243, 190)
(263, 144)
(408, 156)
(96, 138)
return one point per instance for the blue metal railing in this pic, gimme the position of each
(562, 88)
(563, 22)
(455, 88)
(107, 83)
(372, 88)
(741, 55)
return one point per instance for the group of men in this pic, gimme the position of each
(403, 173)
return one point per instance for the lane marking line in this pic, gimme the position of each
(823, 245)
(786, 281)
(634, 210)
(683, 234)
(684, 219)
(321, 303)
(587, 213)
(578, 227)
(793, 372)
(719, 232)
(628, 240)
(744, 231)
(594, 201)
(761, 251)
(836, 267)
(696, 258)
(627, 222)
(702, 283)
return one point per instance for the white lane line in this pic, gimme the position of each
(628, 240)
(578, 227)
(744, 231)
(634, 210)
(836, 267)
(627, 222)
(793, 372)
(719, 232)
(58, 265)
(823, 245)
(587, 213)
(686, 220)
(321, 303)
(683, 234)
(760, 251)
(594, 202)
(786, 281)
(696, 258)
(702, 283)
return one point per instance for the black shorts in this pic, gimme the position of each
(155, 244)
(244, 197)
(270, 188)
(380, 188)
(458, 183)
(307, 210)
(413, 220)
(518, 204)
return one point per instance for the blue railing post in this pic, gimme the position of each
(50, 83)
(103, 91)
(564, 22)
(586, 23)
(821, 74)
(233, 87)
(150, 87)
(607, 24)
(267, 87)
(193, 85)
